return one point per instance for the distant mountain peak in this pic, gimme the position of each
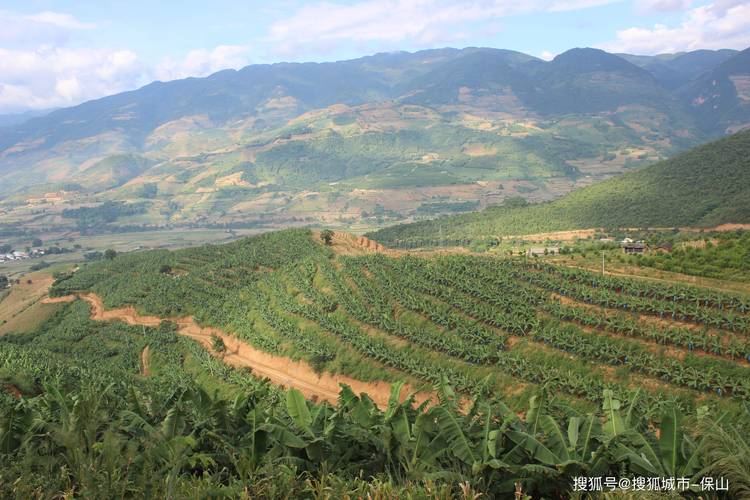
(588, 59)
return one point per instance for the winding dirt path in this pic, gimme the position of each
(278, 369)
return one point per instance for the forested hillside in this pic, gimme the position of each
(706, 186)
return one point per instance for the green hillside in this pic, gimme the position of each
(369, 141)
(705, 186)
(527, 392)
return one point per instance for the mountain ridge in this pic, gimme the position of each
(340, 141)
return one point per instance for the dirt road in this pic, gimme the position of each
(280, 370)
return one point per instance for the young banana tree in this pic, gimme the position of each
(673, 454)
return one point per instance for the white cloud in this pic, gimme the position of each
(547, 55)
(202, 62)
(41, 68)
(723, 24)
(57, 77)
(54, 28)
(59, 19)
(320, 25)
(54, 77)
(650, 6)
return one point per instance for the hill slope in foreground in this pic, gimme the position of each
(705, 186)
(521, 374)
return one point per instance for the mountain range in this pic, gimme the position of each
(387, 137)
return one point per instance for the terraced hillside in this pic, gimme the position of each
(504, 324)
(376, 139)
(567, 340)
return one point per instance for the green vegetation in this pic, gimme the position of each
(327, 236)
(727, 258)
(703, 187)
(540, 374)
(233, 150)
(88, 218)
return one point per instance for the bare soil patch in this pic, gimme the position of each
(556, 235)
(280, 370)
(344, 243)
(145, 358)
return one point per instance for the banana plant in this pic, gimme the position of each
(673, 454)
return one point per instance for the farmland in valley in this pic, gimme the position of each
(523, 351)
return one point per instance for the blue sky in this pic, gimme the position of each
(59, 53)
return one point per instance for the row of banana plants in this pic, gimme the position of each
(510, 277)
(403, 293)
(674, 292)
(701, 374)
(722, 377)
(375, 309)
(376, 348)
(717, 343)
(680, 311)
(512, 312)
(493, 282)
(457, 330)
(537, 368)
(316, 349)
(127, 440)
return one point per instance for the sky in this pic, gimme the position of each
(56, 53)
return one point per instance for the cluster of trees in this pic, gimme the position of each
(728, 258)
(88, 218)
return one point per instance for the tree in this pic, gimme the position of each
(110, 254)
(36, 242)
(327, 236)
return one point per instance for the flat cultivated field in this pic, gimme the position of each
(23, 307)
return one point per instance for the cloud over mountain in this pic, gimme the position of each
(717, 25)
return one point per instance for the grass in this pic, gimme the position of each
(21, 308)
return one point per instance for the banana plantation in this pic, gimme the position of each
(539, 374)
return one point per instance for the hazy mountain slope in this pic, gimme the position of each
(705, 186)
(11, 119)
(675, 70)
(720, 98)
(378, 136)
(593, 81)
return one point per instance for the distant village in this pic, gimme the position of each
(18, 255)
(33, 251)
(628, 246)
